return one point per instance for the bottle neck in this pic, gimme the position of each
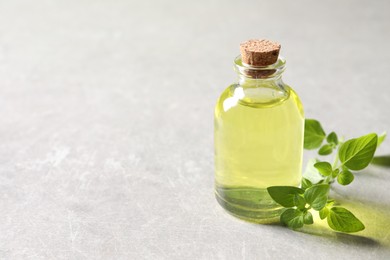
(259, 76)
(261, 84)
(249, 82)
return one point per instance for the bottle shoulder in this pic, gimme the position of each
(297, 101)
(236, 96)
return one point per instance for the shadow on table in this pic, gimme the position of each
(374, 215)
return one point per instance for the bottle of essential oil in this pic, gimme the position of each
(259, 126)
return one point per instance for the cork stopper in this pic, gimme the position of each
(259, 52)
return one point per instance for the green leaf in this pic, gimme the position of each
(317, 196)
(332, 138)
(357, 153)
(381, 138)
(314, 134)
(308, 218)
(345, 177)
(284, 195)
(335, 173)
(306, 183)
(324, 168)
(299, 201)
(293, 218)
(330, 202)
(341, 219)
(381, 160)
(326, 149)
(324, 213)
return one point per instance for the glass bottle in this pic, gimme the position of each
(258, 135)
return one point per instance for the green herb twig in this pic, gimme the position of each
(352, 155)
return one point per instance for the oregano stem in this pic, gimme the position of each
(336, 159)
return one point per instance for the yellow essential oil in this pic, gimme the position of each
(259, 126)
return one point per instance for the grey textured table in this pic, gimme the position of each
(106, 124)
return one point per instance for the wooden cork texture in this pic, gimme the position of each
(259, 52)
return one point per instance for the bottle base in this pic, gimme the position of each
(249, 204)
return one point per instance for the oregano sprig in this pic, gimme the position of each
(313, 195)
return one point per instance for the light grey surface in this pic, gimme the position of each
(107, 132)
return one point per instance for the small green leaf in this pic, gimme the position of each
(299, 201)
(381, 138)
(314, 134)
(335, 173)
(326, 149)
(317, 196)
(345, 177)
(324, 213)
(293, 218)
(324, 168)
(332, 138)
(305, 183)
(330, 202)
(284, 195)
(308, 218)
(341, 219)
(357, 153)
(381, 160)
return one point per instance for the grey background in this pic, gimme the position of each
(106, 124)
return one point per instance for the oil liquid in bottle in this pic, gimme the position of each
(259, 126)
